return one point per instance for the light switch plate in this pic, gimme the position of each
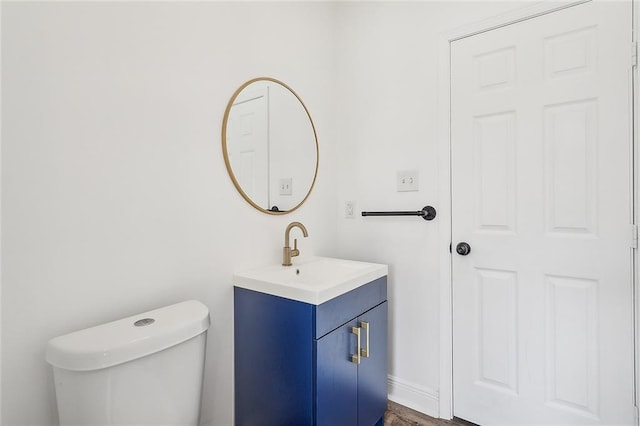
(408, 180)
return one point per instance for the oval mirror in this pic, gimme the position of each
(270, 145)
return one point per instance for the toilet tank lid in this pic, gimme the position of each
(130, 338)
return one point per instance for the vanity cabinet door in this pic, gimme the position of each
(349, 394)
(372, 371)
(337, 378)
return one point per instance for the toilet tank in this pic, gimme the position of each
(146, 369)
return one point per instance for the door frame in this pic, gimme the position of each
(445, 400)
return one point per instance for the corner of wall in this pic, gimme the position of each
(0, 221)
(635, 78)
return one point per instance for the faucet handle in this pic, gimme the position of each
(295, 252)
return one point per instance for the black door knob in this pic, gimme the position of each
(463, 249)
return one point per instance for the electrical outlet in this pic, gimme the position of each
(286, 186)
(408, 180)
(349, 209)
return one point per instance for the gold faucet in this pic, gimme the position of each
(287, 253)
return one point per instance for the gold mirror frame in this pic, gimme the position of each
(227, 163)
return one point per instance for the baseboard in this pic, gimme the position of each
(414, 396)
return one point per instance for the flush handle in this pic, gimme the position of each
(356, 357)
(365, 351)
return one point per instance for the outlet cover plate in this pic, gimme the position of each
(349, 209)
(286, 186)
(408, 180)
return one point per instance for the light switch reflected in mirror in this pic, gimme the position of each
(270, 145)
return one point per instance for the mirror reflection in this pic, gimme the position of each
(270, 145)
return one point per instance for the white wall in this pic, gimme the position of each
(115, 197)
(387, 88)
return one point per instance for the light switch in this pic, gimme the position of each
(408, 180)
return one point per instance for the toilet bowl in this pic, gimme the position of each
(146, 369)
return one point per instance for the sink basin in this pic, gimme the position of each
(313, 280)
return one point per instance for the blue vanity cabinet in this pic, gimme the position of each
(293, 360)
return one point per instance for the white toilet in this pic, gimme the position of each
(143, 370)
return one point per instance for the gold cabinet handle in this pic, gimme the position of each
(365, 352)
(356, 358)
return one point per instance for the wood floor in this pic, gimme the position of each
(399, 415)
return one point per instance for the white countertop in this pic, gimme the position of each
(313, 280)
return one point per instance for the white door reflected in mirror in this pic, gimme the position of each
(270, 146)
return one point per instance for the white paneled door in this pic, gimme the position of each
(541, 195)
(248, 143)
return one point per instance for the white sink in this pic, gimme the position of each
(312, 280)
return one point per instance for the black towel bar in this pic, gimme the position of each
(427, 213)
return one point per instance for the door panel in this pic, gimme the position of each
(571, 356)
(248, 143)
(496, 331)
(495, 172)
(541, 191)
